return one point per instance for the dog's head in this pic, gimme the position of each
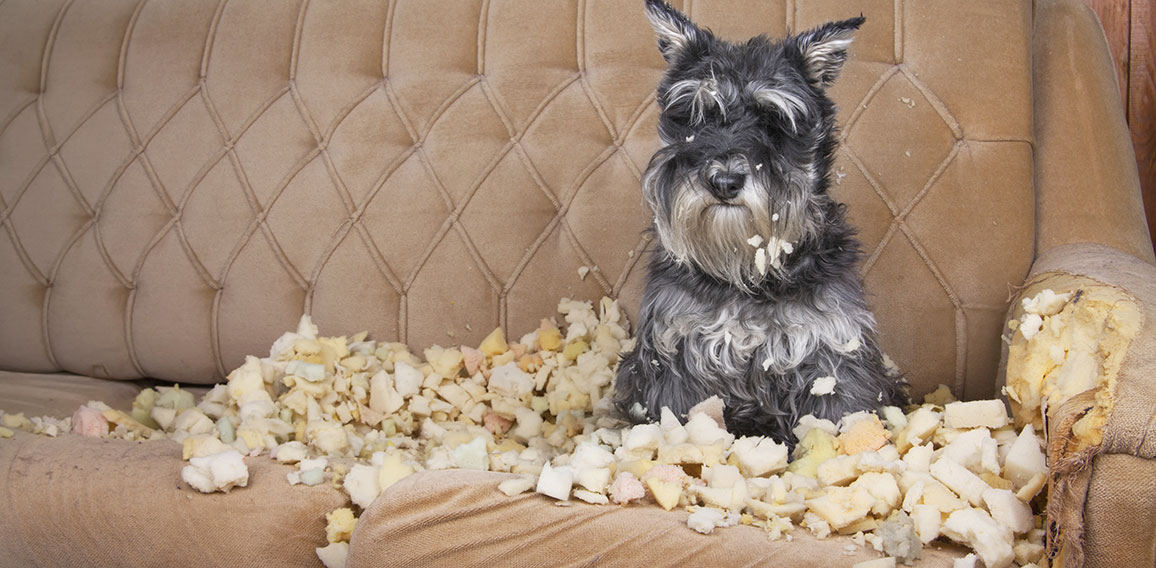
(748, 135)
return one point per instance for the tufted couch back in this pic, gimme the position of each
(180, 180)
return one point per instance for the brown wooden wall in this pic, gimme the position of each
(1131, 29)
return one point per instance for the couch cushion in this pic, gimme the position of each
(459, 518)
(180, 182)
(73, 501)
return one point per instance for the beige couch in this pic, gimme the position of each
(179, 181)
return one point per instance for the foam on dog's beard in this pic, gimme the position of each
(1069, 345)
(696, 229)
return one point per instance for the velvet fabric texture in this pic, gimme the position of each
(180, 181)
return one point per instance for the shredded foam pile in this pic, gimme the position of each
(363, 415)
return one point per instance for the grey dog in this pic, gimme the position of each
(753, 292)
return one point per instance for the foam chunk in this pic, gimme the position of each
(823, 386)
(965, 483)
(516, 485)
(758, 456)
(1008, 511)
(1025, 460)
(977, 413)
(975, 528)
(335, 555)
(216, 472)
(555, 482)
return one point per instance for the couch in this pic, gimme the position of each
(180, 181)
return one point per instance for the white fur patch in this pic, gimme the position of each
(702, 94)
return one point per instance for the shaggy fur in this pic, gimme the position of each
(753, 292)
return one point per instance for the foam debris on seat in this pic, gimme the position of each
(363, 415)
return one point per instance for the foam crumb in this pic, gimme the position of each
(823, 386)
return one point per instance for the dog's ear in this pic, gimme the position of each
(822, 51)
(676, 33)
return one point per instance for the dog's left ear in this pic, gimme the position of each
(822, 51)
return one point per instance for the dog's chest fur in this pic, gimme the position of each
(727, 337)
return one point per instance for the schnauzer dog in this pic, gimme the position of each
(752, 293)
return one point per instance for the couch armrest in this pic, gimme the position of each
(1089, 378)
(1087, 186)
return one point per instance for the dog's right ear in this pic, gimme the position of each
(823, 50)
(676, 33)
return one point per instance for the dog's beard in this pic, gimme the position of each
(723, 239)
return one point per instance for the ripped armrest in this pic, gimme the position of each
(1081, 367)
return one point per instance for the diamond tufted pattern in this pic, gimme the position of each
(179, 181)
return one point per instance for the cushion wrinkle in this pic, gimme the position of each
(295, 47)
(529, 536)
(558, 221)
(599, 107)
(400, 286)
(587, 260)
(455, 215)
(386, 40)
(450, 506)
(395, 103)
(53, 34)
(648, 102)
(32, 100)
(258, 223)
(872, 255)
(122, 57)
(62, 167)
(326, 137)
(495, 101)
(577, 185)
(863, 103)
(446, 226)
(899, 43)
(899, 221)
(631, 261)
(210, 39)
(935, 102)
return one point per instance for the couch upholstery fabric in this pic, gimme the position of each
(179, 181)
(74, 501)
(59, 394)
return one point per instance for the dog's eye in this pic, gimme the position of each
(782, 102)
(700, 99)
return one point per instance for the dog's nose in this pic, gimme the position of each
(726, 185)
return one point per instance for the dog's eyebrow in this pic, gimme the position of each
(702, 93)
(792, 106)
